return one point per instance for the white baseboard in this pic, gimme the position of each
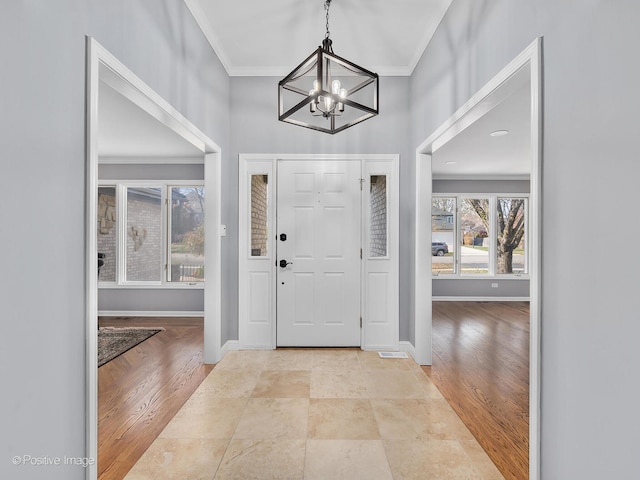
(480, 299)
(407, 347)
(148, 313)
(228, 347)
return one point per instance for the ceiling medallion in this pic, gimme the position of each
(326, 92)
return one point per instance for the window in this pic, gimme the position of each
(143, 256)
(259, 219)
(511, 238)
(186, 220)
(443, 210)
(378, 216)
(479, 235)
(107, 233)
(151, 234)
(475, 236)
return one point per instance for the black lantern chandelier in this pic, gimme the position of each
(326, 92)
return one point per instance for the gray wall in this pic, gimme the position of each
(138, 171)
(471, 287)
(481, 186)
(42, 174)
(151, 299)
(255, 129)
(590, 328)
(480, 287)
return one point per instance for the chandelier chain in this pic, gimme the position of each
(327, 4)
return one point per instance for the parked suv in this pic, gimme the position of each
(439, 248)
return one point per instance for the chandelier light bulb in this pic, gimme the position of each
(312, 104)
(328, 104)
(335, 87)
(343, 93)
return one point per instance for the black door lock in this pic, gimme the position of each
(283, 237)
(284, 263)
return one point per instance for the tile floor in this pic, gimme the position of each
(315, 415)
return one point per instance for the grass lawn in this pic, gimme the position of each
(179, 248)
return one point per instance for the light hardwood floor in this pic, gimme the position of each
(481, 366)
(141, 390)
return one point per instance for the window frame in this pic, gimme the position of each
(493, 245)
(165, 225)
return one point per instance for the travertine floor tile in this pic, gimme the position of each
(430, 460)
(204, 417)
(418, 419)
(394, 384)
(290, 359)
(335, 359)
(481, 460)
(338, 384)
(263, 459)
(426, 383)
(270, 418)
(229, 383)
(283, 384)
(372, 361)
(178, 459)
(346, 460)
(342, 418)
(244, 360)
(364, 420)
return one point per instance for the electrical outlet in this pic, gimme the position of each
(494, 285)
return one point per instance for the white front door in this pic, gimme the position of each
(318, 290)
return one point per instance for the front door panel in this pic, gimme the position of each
(318, 291)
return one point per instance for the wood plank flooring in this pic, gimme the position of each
(141, 390)
(481, 366)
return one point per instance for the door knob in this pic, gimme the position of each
(284, 263)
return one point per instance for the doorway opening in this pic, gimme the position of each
(499, 88)
(318, 238)
(106, 74)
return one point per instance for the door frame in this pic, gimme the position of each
(102, 66)
(466, 115)
(257, 275)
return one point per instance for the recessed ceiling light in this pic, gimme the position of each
(450, 162)
(499, 133)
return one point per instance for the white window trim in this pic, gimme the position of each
(121, 282)
(493, 247)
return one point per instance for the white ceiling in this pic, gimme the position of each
(270, 38)
(126, 130)
(475, 153)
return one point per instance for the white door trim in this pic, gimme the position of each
(260, 333)
(466, 115)
(103, 66)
